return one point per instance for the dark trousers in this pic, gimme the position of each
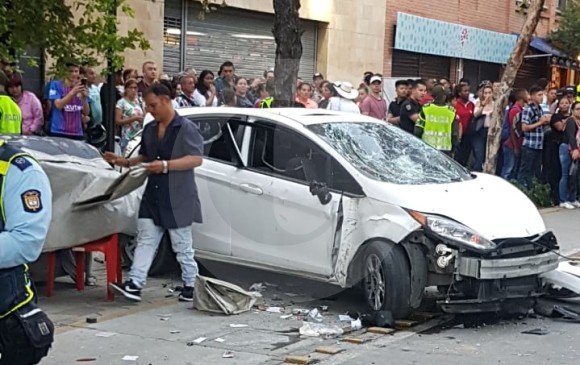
(551, 169)
(464, 150)
(530, 166)
(479, 144)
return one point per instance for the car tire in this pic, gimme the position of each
(164, 261)
(386, 282)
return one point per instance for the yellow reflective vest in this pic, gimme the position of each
(437, 122)
(10, 116)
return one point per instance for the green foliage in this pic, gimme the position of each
(540, 194)
(207, 6)
(567, 35)
(50, 25)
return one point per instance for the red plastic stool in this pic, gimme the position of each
(109, 246)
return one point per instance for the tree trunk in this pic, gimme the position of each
(288, 34)
(507, 82)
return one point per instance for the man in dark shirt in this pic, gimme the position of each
(171, 148)
(394, 113)
(410, 108)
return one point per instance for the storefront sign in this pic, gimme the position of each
(424, 35)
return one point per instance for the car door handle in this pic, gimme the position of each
(252, 189)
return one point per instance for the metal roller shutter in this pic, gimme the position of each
(530, 71)
(172, 37)
(240, 36)
(434, 67)
(405, 64)
(411, 64)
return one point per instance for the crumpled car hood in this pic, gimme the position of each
(488, 204)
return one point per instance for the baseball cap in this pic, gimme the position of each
(376, 78)
(317, 75)
(570, 89)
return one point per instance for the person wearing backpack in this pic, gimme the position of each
(512, 146)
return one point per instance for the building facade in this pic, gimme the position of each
(342, 38)
(472, 39)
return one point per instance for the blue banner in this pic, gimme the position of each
(424, 35)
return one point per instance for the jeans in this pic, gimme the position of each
(148, 238)
(511, 164)
(530, 166)
(566, 194)
(479, 149)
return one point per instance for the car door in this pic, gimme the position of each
(221, 160)
(276, 221)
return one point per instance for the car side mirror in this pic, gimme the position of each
(320, 190)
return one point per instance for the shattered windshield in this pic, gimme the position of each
(389, 154)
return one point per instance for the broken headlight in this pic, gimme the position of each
(453, 233)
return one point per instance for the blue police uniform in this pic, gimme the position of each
(25, 213)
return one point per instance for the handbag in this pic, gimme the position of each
(478, 122)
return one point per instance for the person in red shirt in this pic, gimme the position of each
(513, 145)
(464, 111)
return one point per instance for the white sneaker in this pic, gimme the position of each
(576, 204)
(567, 205)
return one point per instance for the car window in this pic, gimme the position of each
(387, 153)
(218, 133)
(284, 153)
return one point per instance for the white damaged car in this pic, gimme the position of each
(349, 200)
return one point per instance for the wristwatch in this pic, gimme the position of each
(165, 167)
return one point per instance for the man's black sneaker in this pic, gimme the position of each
(128, 289)
(186, 294)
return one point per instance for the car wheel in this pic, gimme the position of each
(386, 280)
(163, 262)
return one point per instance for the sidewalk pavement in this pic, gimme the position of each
(145, 329)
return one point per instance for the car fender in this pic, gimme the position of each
(366, 219)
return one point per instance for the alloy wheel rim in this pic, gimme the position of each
(375, 282)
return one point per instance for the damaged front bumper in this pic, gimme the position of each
(506, 280)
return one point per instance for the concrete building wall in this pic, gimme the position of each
(350, 33)
(495, 15)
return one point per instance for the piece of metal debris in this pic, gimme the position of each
(220, 340)
(315, 315)
(259, 287)
(537, 331)
(199, 340)
(275, 310)
(173, 332)
(228, 355)
(130, 358)
(234, 325)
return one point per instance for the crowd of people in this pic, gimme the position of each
(540, 135)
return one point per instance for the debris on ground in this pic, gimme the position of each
(234, 325)
(286, 316)
(300, 312)
(315, 315)
(91, 319)
(275, 309)
(164, 319)
(218, 296)
(105, 334)
(537, 331)
(258, 287)
(276, 298)
(310, 329)
(375, 319)
(220, 340)
(130, 358)
(324, 308)
(345, 318)
(356, 324)
(199, 340)
(86, 359)
(175, 332)
(228, 355)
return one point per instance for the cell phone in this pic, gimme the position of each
(84, 82)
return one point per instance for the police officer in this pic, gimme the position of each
(26, 333)
(437, 124)
(10, 114)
